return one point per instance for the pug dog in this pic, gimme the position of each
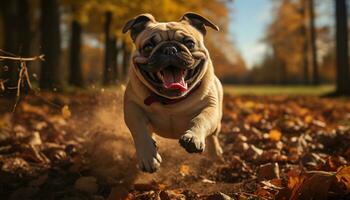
(172, 89)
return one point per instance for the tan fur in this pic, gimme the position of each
(197, 116)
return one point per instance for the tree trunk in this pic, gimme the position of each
(25, 34)
(51, 72)
(315, 75)
(126, 60)
(114, 59)
(342, 50)
(10, 68)
(75, 69)
(110, 68)
(305, 48)
(283, 76)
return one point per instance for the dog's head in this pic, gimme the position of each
(170, 58)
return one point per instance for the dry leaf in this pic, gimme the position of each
(275, 135)
(308, 119)
(254, 118)
(294, 178)
(263, 193)
(184, 170)
(66, 113)
(314, 185)
(343, 175)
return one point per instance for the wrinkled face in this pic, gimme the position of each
(170, 58)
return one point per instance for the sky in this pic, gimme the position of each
(249, 19)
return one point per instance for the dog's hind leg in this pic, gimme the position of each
(213, 145)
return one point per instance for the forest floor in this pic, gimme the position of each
(76, 146)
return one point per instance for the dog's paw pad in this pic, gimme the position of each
(192, 143)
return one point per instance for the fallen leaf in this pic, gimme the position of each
(218, 196)
(184, 170)
(343, 175)
(268, 171)
(275, 135)
(263, 193)
(294, 178)
(66, 113)
(308, 119)
(314, 185)
(171, 195)
(254, 118)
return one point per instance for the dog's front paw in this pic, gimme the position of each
(148, 158)
(150, 164)
(192, 143)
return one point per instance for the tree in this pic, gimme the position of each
(75, 68)
(17, 37)
(342, 49)
(10, 20)
(25, 33)
(287, 23)
(315, 74)
(110, 64)
(51, 76)
(305, 48)
(78, 13)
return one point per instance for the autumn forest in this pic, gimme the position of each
(285, 128)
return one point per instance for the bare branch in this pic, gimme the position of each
(41, 57)
(23, 76)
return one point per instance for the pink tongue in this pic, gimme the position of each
(174, 79)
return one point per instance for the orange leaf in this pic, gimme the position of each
(294, 178)
(275, 135)
(308, 119)
(254, 118)
(184, 170)
(343, 175)
(66, 112)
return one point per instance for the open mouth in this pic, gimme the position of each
(172, 77)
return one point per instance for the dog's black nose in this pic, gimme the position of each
(169, 51)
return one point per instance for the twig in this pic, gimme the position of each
(41, 57)
(2, 84)
(8, 53)
(23, 76)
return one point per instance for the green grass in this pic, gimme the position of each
(278, 90)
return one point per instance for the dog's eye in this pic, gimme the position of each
(190, 44)
(148, 48)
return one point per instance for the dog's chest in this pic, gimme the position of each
(171, 123)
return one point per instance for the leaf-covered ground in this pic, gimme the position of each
(77, 147)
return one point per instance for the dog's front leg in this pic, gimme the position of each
(202, 126)
(148, 158)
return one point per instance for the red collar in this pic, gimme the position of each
(165, 101)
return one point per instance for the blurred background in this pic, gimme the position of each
(262, 42)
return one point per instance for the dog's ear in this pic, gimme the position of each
(199, 22)
(138, 24)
